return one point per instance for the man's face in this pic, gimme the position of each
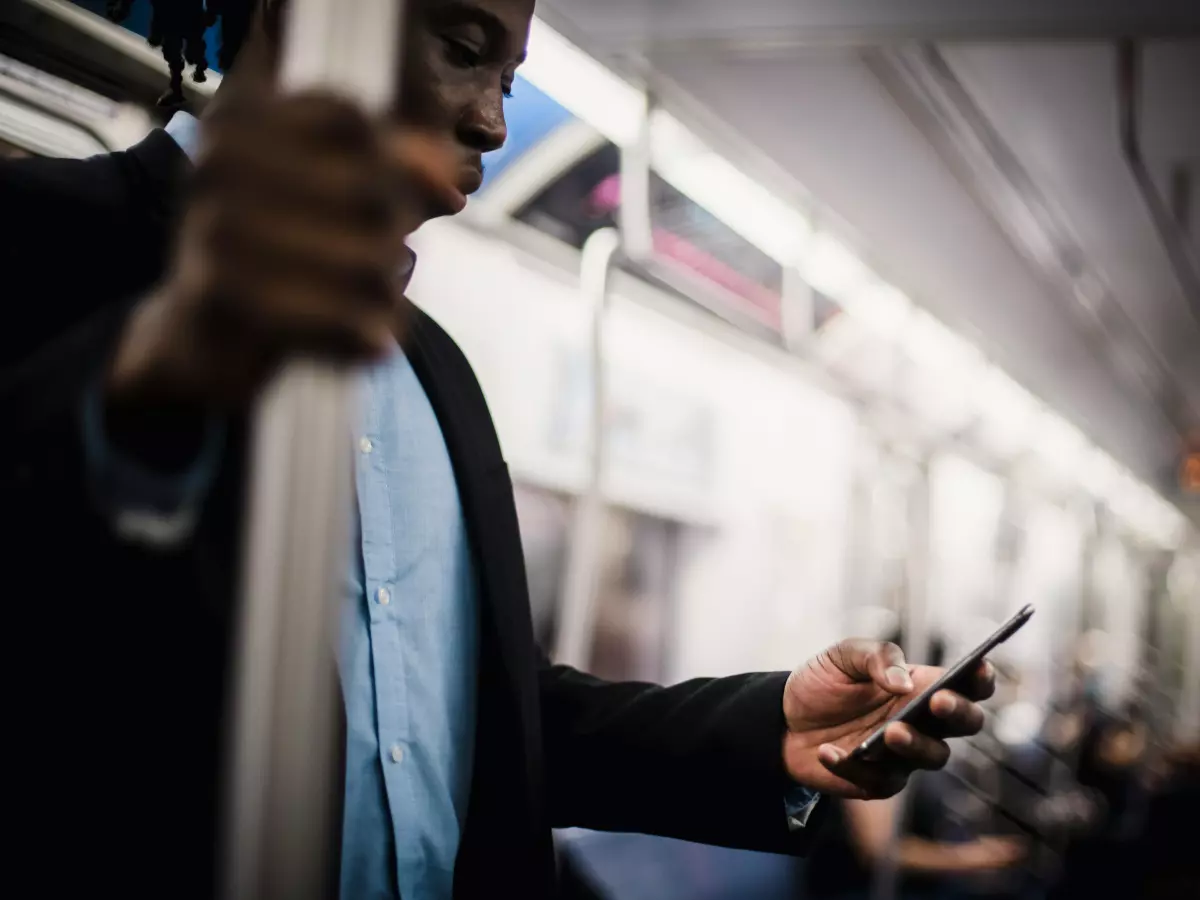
(459, 63)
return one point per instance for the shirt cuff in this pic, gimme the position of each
(799, 803)
(146, 506)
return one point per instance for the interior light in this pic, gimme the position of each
(1062, 445)
(1100, 474)
(936, 348)
(1123, 498)
(692, 168)
(832, 268)
(1164, 524)
(1009, 412)
(881, 307)
(841, 336)
(559, 69)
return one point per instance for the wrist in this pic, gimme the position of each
(147, 411)
(145, 371)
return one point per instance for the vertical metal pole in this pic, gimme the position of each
(885, 883)
(1188, 723)
(634, 240)
(634, 221)
(799, 320)
(582, 571)
(283, 805)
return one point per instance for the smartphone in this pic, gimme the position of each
(916, 711)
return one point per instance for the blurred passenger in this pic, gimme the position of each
(1111, 751)
(1110, 754)
(128, 374)
(1164, 851)
(858, 842)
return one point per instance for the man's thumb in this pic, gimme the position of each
(888, 670)
(881, 662)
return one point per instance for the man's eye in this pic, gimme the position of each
(461, 54)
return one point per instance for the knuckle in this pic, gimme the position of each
(890, 651)
(333, 119)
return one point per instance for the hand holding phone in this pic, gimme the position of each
(839, 699)
(916, 712)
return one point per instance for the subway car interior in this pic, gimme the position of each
(803, 320)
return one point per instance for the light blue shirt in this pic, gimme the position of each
(409, 652)
(408, 657)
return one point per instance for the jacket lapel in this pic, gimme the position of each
(485, 493)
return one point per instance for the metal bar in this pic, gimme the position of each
(582, 571)
(284, 803)
(798, 311)
(1187, 728)
(43, 109)
(634, 215)
(925, 86)
(716, 29)
(1183, 265)
(886, 877)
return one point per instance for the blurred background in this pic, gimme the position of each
(801, 319)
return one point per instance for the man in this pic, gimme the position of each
(138, 355)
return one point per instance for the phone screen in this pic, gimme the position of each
(918, 707)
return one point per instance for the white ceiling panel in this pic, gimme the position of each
(790, 79)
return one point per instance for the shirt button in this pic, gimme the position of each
(383, 596)
(397, 753)
(365, 445)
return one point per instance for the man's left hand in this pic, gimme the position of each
(839, 698)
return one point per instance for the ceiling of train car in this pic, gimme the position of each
(824, 91)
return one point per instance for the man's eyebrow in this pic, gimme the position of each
(455, 12)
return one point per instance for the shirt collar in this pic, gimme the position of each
(184, 129)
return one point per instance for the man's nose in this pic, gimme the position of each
(482, 126)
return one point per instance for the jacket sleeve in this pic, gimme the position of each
(700, 761)
(80, 234)
(89, 243)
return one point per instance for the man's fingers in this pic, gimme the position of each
(880, 662)
(888, 669)
(918, 750)
(957, 716)
(856, 779)
(982, 683)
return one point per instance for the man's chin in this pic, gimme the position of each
(449, 204)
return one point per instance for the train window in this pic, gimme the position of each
(638, 572)
(639, 566)
(581, 201)
(531, 116)
(691, 241)
(692, 247)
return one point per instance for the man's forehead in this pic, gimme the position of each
(504, 20)
(512, 13)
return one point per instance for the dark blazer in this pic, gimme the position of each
(116, 686)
